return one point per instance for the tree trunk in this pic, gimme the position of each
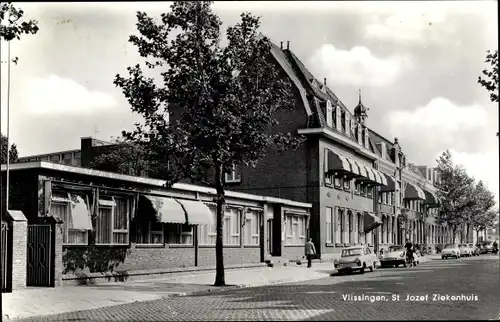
(220, 279)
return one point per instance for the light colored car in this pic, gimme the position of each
(395, 256)
(474, 249)
(450, 250)
(465, 250)
(356, 258)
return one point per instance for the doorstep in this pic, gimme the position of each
(83, 278)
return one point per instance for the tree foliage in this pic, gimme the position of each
(489, 80)
(123, 157)
(13, 25)
(456, 192)
(13, 154)
(223, 99)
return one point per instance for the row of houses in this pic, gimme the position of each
(346, 185)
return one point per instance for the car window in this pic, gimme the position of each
(352, 252)
(450, 246)
(368, 251)
(462, 245)
(396, 248)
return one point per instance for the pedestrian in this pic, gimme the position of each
(409, 252)
(310, 251)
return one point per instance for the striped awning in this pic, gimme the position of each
(354, 167)
(337, 163)
(391, 183)
(197, 213)
(413, 192)
(430, 199)
(377, 175)
(362, 170)
(371, 221)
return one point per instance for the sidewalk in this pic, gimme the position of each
(33, 302)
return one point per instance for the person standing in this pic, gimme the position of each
(310, 251)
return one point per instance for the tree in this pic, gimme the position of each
(13, 154)
(490, 79)
(485, 220)
(123, 157)
(224, 98)
(15, 26)
(479, 215)
(455, 190)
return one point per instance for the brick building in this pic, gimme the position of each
(124, 224)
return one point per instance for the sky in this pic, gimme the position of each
(417, 64)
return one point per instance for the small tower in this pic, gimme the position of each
(360, 111)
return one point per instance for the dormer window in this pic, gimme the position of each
(367, 145)
(338, 118)
(353, 128)
(347, 124)
(329, 113)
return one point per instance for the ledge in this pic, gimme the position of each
(150, 246)
(179, 246)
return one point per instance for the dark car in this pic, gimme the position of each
(487, 247)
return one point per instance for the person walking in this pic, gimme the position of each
(310, 251)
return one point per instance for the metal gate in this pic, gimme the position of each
(5, 253)
(39, 255)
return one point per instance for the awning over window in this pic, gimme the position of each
(378, 176)
(362, 170)
(80, 214)
(371, 221)
(337, 163)
(430, 199)
(354, 167)
(391, 183)
(168, 210)
(197, 212)
(370, 174)
(413, 192)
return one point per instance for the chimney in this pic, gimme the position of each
(324, 81)
(281, 45)
(288, 44)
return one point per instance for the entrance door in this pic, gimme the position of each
(39, 255)
(270, 236)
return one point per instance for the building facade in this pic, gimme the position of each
(119, 223)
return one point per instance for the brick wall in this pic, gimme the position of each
(19, 253)
(232, 255)
(293, 252)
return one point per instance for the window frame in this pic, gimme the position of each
(346, 184)
(229, 223)
(329, 218)
(67, 203)
(111, 204)
(252, 217)
(296, 220)
(150, 233)
(179, 233)
(339, 184)
(233, 176)
(208, 232)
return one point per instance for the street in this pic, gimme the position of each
(475, 279)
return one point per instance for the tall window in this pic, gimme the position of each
(329, 113)
(296, 229)
(329, 224)
(150, 233)
(74, 210)
(338, 182)
(232, 226)
(208, 233)
(179, 234)
(338, 225)
(112, 221)
(329, 178)
(347, 184)
(357, 188)
(369, 192)
(360, 228)
(252, 228)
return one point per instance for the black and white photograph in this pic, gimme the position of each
(249, 161)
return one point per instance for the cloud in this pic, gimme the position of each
(481, 166)
(440, 114)
(54, 94)
(357, 66)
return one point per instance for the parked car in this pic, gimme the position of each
(394, 256)
(450, 250)
(465, 251)
(356, 258)
(474, 250)
(487, 247)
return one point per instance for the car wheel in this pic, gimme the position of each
(397, 265)
(442, 257)
(404, 264)
(372, 268)
(362, 270)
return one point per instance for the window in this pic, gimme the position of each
(380, 197)
(362, 189)
(208, 233)
(353, 128)
(347, 124)
(329, 113)
(62, 206)
(329, 179)
(338, 225)
(338, 182)
(347, 184)
(369, 192)
(112, 221)
(295, 230)
(231, 230)
(338, 118)
(55, 158)
(357, 188)
(179, 234)
(233, 175)
(67, 158)
(252, 228)
(150, 233)
(329, 224)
